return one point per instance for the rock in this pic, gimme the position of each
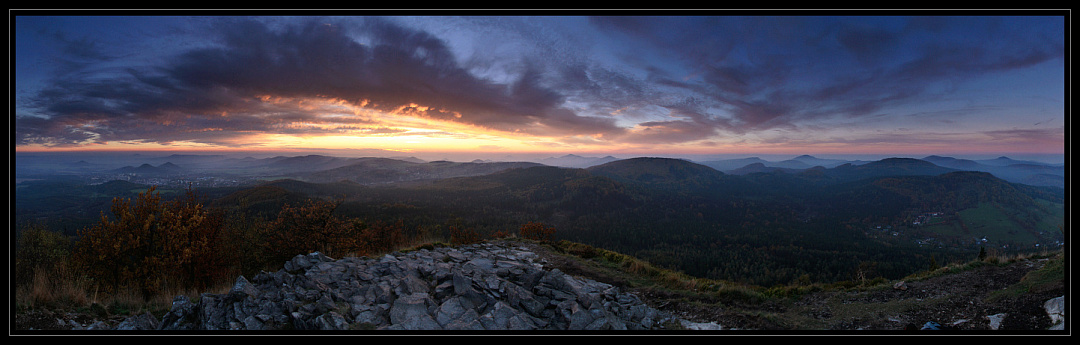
(97, 325)
(332, 321)
(183, 315)
(700, 326)
(1055, 308)
(931, 326)
(900, 286)
(243, 288)
(995, 320)
(474, 287)
(413, 312)
(141, 322)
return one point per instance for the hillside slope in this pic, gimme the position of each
(982, 297)
(988, 296)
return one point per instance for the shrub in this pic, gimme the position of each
(310, 227)
(38, 249)
(313, 226)
(152, 245)
(460, 235)
(536, 232)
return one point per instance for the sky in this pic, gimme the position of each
(567, 83)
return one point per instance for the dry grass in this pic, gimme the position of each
(60, 289)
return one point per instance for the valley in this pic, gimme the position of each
(765, 228)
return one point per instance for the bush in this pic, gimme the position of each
(313, 226)
(39, 250)
(536, 232)
(461, 235)
(151, 245)
(301, 229)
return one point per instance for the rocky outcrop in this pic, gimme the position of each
(476, 287)
(1055, 308)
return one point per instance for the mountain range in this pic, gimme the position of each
(765, 227)
(1018, 171)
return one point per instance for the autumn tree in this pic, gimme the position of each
(313, 226)
(536, 231)
(151, 245)
(310, 227)
(39, 250)
(380, 237)
(460, 235)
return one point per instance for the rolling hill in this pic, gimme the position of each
(386, 170)
(690, 217)
(766, 227)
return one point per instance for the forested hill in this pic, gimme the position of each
(761, 228)
(896, 215)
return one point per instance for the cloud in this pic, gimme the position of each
(635, 80)
(762, 73)
(370, 63)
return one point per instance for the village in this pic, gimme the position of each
(909, 230)
(176, 181)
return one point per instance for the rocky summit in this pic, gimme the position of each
(487, 286)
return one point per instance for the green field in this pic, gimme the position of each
(1054, 222)
(993, 223)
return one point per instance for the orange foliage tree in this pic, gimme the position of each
(313, 226)
(381, 237)
(310, 227)
(460, 235)
(152, 245)
(536, 231)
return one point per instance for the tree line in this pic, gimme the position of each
(153, 246)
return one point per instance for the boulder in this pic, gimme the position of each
(1055, 308)
(474, 287)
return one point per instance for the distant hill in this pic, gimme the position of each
(667, 174)
(691, 217)
(307, 163)
(1006, 161)
(883, 168)
(955, 163)
(812, 161)
(761, 168)
(732, 164)
(1026, 172)
(575, 161)
(146, 169)
(385, 170)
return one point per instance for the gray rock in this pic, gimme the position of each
(995, 320)
(1055, 308)
(700, 326)
(474, 287)
(141, 322)
(332, 321)
(413, 312)
(183, 316)
(243, 286)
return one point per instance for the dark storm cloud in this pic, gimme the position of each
(649, 79)
(372, 61)
(763, 73)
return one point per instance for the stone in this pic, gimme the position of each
(243, 286)
(141, 322)
(332, 321)
(995, 320)
(471, 287)
(1055, 308)
(412, 312)
(183, 315)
